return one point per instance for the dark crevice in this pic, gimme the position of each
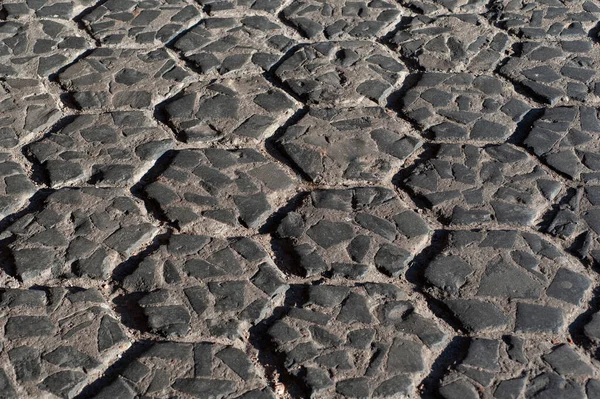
(455, 351)
(128, 266)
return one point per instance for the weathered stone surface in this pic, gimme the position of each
(332, 146)
(15, 186)
(60, 9)
(436, 7)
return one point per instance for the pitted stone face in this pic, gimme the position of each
(495, 184)
(78, 233)
(198, 369)
(453, 43)
(332, 146)
(131, 23)
(110, 149)
(353, 233)
(235, 110)
(463, 106)
(123, 79)
(364, 341)
(342, 19)
(59, 9)
(348, 73)
(15, 187)
(56, 340)
(207, 287)
(38, 48)
(215, 190)
(234, 45)
(499, 281)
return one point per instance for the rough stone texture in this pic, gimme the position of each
(341, 18)
(469, 185)
(369, 340)
(464, 106)
(235, 110)
(347, 73)
(123, 78)
(56, 340)
(436, 7)
(78, 232)
(15, 186)
(60, 9)
(215, 189)
(331, 145)
(353, 233)
(110, 149)
(218, 7)
(146, 23)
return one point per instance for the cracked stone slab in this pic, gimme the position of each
(78, 232)
(236, 7)
(333, 146)
(56, 340)
(108, 149)
(353, 234)
(131, 23)
(469, 185)
(108, 78)
(234, 45)
(362, 341)
(502, 368)
(60, 9)
(26, 110)
(452, 43)
(215, 190)
(198, 369)
(554, 72)
(237, 110)
(440, 7)
(15, 186)
(38, 48)
(463, 106)
(502, 281)
(347, 73)
(339, 19)
(209, 287)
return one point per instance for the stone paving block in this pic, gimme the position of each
(362, 341)
(78, 232)
(108, 149)
(135, 23)
(59, 9)
(452, 43)
(353, 234)
(56, 340)
(341, 18)
(241, 7)
(440, 7)
(333, 146)
(15, 186)
(347, 73)
(236, 110)
(216, 190)
(464, 106)
(234, 45)
(112, 79)
(38, 48)
(496, 184)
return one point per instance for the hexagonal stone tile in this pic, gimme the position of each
(190, 370)
(334, 146)
(215, 190)
(462, 106)
(499, 368)
(206, 286)
(437, 7)
(150, 22)
(368, 340)
(26, 109)
(109, 149)
(61, 9)
(353, 233)
(497, 281)
(82, 232)
(463, 42)
(469, 185)
(56, 340)
(237, 110)
(29, 49)
(218, 46)
(553, 72)
(15, 186)
(123, 78)
(547, 20)
(341, 19)
(348, 73)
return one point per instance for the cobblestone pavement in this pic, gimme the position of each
(281, 199)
